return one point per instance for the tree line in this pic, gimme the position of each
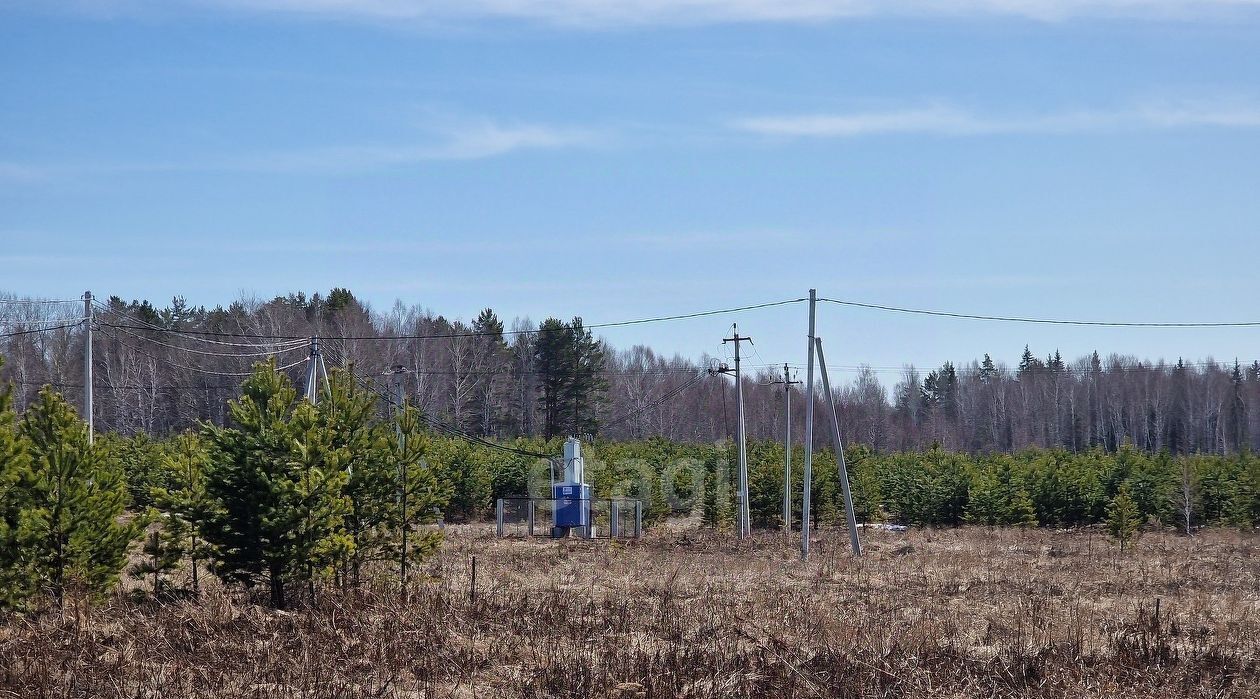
(555, 378)
(287, 497)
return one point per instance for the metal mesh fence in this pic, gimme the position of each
(618, 518)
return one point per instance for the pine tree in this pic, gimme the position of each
(420, 495)
(1124, 521)
(345, 430)
(15, 476)
(658, 509)
(1243, 506)
(158, 558)
(466, 472)
(69, 527)
(489, 325)
(275, 489)
(717, 510)
(1020, 510)
(984, 504)
(586, 384)
(141, 461)
(1237, 421)
(184, 503)
(552, 362)
(570, 362)
(495, 355)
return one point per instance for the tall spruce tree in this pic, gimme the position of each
(70, 532)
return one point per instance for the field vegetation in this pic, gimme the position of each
(971, 611)
(296, 552)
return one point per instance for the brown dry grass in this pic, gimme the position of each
(954, 613)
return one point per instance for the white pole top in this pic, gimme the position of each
(574, 468)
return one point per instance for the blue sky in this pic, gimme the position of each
(1095, 159)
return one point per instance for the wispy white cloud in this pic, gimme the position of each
(13, 172)
(469, 140)
(612, 13)
(448, 140)
(952, 121)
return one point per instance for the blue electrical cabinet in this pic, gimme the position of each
(573, 504)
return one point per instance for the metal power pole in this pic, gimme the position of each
(835, 436)
(809, 431)
(88, 413)
(745, 526)
(787, 449)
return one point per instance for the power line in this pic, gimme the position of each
(129, 387)
(239, 355)
(451, 335)
(448, 429)
(30, 331)
(510, 371)
(196, 369)
(186, 334)
(39, 321)
(1042, 321)
(1006, 370)
(657, 403)
(38, 302)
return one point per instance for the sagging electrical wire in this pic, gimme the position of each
(198, 370)
(438, 336)
(1042, 321)
(31, 331)
(37, 302)
(657, 403)
(230, 355)
(441, 426)
(145, 325)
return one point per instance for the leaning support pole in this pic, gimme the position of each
(835, 436)
(808, 472)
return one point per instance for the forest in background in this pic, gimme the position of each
(292, 497)
(210, 459)
(159, 370)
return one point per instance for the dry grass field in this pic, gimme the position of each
(949, 613)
